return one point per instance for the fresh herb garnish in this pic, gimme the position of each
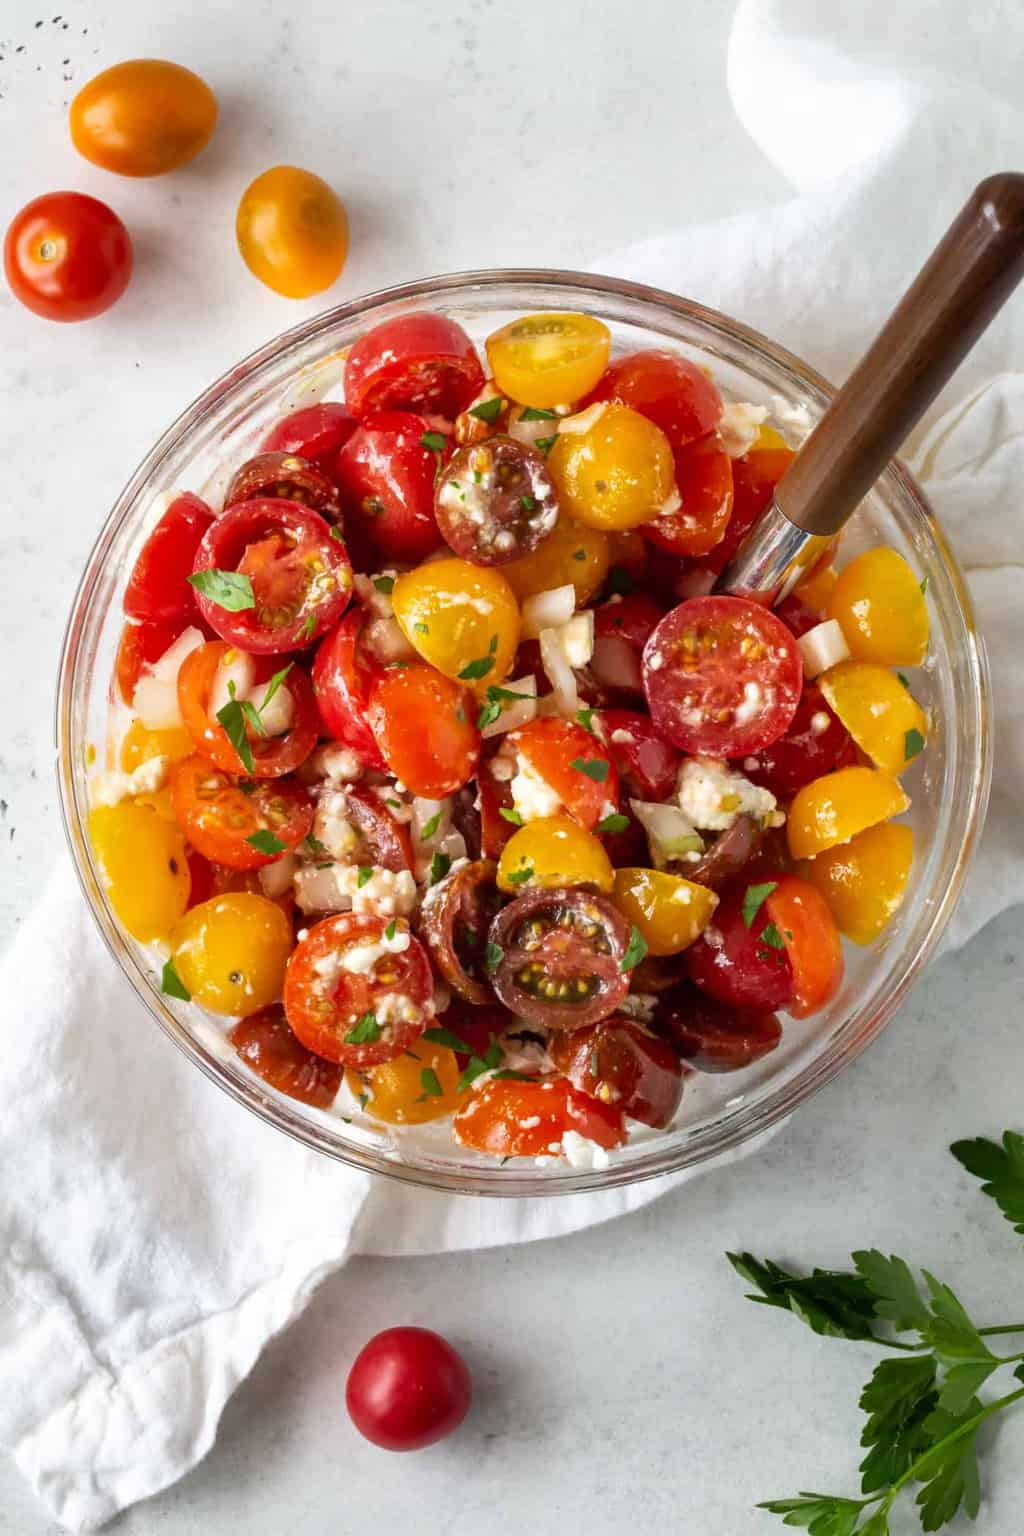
(545, 444)
(364, 1099)
(753, 897)
(579, 554)
(396, 805)
(595, 768)
(771, 936)
(614, 823)
(238, 713)
(264, 841)
(903, 679)
(272, 687)
(431, 826)
(385, 584)
(309, 625)
(488, 410)
(635, 950)
(510, 1075)
(364, 876)
(913, 744)
(512, 816)
(440, 864)
(474, 670)
(520, 876)
(493, 956)
(421, 628)
(391, 929)
(586, 719)
(336, 534)
(534, 413)
(171, 984)
(496, 697)
(478, 1065)
(437, 443)
(366, 1031)
(314, 845)
(1001, 1168)
(441, 1036)
(430, 1085)
(527, 502)
(230, 590)
(924, 586)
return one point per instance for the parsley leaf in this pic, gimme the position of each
(595, 768)
(474, 670)
(171, 984)
(364, 876)
(579, 554)
(894, 1288)
(488, 410)
(313, 844)
(545, 444)
(830, 1302)
(442, 1036)
(820, 1513)
(431, 826)
(924, 586)
(535, 413)
(512, 816)
(309, 625)
(421, 628)
(635, 950)
(898, 1400)
(493, 956)
(586, 719)
(753, 896)
(528, 502)
(520, 876)
(385, 584)
(391, 929)
(496, 697)
(903, 679)
(436, 442)
(771, 936)
(478, 1065)
(1001, 1168)
(264, 841)
(365, 1031)
(272, 687)
(440, 864)
(489, 712)
(913, 744)
(232, 718)
(614, 823)
(336, 534)
(430, 1085)
(509, 1075)
(230, 590)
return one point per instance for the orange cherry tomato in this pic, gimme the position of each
(462, 618)
(141, 745)
(67, 256)
(272, 756)
(669, 911)
(143, 117)
(816, 590)
(864, 881)
(527, 1119)
(425, 725)
(802, 917)
(292, 231)
(574, 764)
(704, 482)
(880, 607)
(834, 808)
(243, 828)
(879, 711)
(617, 473)
(570, 553)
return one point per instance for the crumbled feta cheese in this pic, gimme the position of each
(796, 417)
(332, 827)
(377, 603)
(820, 722)
(822, 647)
(673, 501)
(387, 893)
(360, 959)
(655, 661)
(530, 1123)
(751, 704)
(533, 796)
(621, 738)
(740, 425)
(396, 1008)
(712, 796)
(575, 639)
(333, 762)
(113, 786)
(582, 1153)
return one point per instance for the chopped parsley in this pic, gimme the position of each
(421, 628)
(171, 984)
(635, 950)
(520, 876)
(586, 719)
(385, 584)
(753, 896)
(614, 823)
(493, 956)
(545, 444)
(924, 586)
(478, 1065)
(771, 936)
(436, 442)
(440, 864)
(534, 413)
(306, 632)
(264, 841)
(314, 844)
(488, 410)
(391, 929)
(474, 670)
(366, 1031)
(336, 533)
(364, 876)
(528, 502)
(431, 1086)
(512, 816)
(441, 1036)
(431, 826)
(595, 768)
(903, 679)
(230, 590)
(913, 744)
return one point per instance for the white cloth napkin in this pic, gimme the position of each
(154, 1236)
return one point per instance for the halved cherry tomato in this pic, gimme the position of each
(669, 390)
(704, 481)
(837, 806)
(801, 915)
(356, 995)
(420, 362)
(722, 676)
(526, 1119)
(669, 911)
(286, 477)
(796, 615)
(570, 553)
(456, 914)
(272, 756)
(143, 117)
(815, 591)
(864, 881)
(403, 1091)
(314, 432)
(622, 1065)
(645, 764)
(462, 618)
(741, 963)
(630, 618)
(267, 1044)
(879, 711)
(158, 589)
(143, 866)
(617, 473)
(343, 674)
(67, 256)
(814, 743)
(292, 231)
(299, 574)
(713, 1036)
(553, 851)
(230, 952)
(881, 609)
(387, 472)
(494, 796)
(754, 478)
(143, 644)
(385, 838)
(560, 957)
(475, 1025)
(573, 763)
(495, 501)
(221, 819)
(548, 359)
(142, 745)
(424, 724)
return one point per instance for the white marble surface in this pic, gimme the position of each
(620, 1375)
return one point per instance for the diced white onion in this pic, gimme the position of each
(155, 700)
(515, 712)
(169, 664)
(822, 647)
(547, 610)
(234, 675)
(384, 639)
(577, 638)
(670, 833)
(277, 878)
(616, 663)
(276, 716)
(561, 676)
(584, 420)
(530, 432)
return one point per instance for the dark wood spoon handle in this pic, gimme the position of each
(964, 283)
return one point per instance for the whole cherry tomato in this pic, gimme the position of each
(420, 362)
(292, 231)
(407, 1388)
(143, 117)
(670, 391)
(387, 472)
(314, 432)
(342, 676)
(67, 256)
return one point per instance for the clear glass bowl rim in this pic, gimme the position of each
(720, 1136)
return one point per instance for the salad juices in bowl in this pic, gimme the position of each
(442, 812)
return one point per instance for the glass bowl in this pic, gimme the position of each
(949, 786)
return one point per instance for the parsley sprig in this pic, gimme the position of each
(922, 1405)
(238, 713)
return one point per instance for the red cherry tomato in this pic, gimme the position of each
(365, 1015)
(646, 765)
(705, 486)
(796, 615)
(67, 256)
(630, 618)
(802, 916)
(266, 1044)
(424, 724)
(408, 1388)
(300, 575)
(143, 644)
(754, 478)
(722, 676)
(421, 362)
(677, 396)
(220, 819)
(314, 432)
(343, 673)
(272, 756)
(386, 473)
(574, 763)
(494, 796)
(741, 964)
(158, 589)
(622, 1065)
(711, 1036)
(509, 1118)
(815, 743)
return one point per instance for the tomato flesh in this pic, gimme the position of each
(387, 475)
(420, 362)
(712, 1036)
(622, 1065)
(158, 589)
(272, 756)
(343, 674)
(735, 963)
(646, 765)
(704, 480)
(815, 743)
(220, 819)
(423, 724)
(266, 1043)
(802, 916)
(574, 764)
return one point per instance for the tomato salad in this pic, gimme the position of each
(444, 779)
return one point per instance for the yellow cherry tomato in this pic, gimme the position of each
(864, 881)
(292, 231)
(143, 117)
(817, 590)
(552, 851)
(768, 438)
(548, 359)
(159, 800)
(617, 473)
(881, 610)
(403, 1092)
(462, 618)
(837, 806)
(629, 550)
(141, 745)
(879, 711)
(143, 867)
(230, 952)
(570, 553)
(670, 912)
